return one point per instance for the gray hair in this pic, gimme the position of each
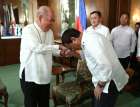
(43, 11)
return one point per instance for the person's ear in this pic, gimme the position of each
(73, 39)
(101, 19)
(39, 18)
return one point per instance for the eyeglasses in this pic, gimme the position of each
(49, 18)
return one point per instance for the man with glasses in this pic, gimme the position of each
(36, 52)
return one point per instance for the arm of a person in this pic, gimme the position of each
(80, 54)
(56, 48)
(31, 42)
(103, 67)
(108, 35)
(133, 42)
(138, 47)
(99, 63)
(112, 37)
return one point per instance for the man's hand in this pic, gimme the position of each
(64, 51)
(61, 47)
(97, 92)
(67, 53)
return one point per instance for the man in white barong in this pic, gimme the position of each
(108, 76)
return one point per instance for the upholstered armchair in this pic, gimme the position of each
(3, 94)
(74, 92)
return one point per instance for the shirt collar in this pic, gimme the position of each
(97, 27)
(124, 26)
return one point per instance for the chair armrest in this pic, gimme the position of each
(59, 69)
(68, 70)
(60, 72)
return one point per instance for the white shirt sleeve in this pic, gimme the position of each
(108, 35)
(97, 56)
(133, 41)
(82, 55)
(55, 50)
(31, 42)
(112, 36)
(138, 45)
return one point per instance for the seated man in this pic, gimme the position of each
(108, 76)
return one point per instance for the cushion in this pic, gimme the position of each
(70, 92)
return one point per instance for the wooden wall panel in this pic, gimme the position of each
(1, 10)
(32, 10)
(135, 12)
(103, 6)
(122, 6)
(117, 7)
(12, 50)
(42, 2)
(112, 18)
(9, 51)
(100, 5)
(55, 5)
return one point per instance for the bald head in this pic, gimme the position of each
(43, 10)
(44, 17)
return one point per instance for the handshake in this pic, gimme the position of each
(65, 52)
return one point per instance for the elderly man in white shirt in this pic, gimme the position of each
(108, 76)
(96, 26)
(123, 40)
(37, 48)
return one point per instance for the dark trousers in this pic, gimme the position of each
(107, 99)
(124, 62)
(35, 95)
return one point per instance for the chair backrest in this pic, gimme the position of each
(83, 73)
